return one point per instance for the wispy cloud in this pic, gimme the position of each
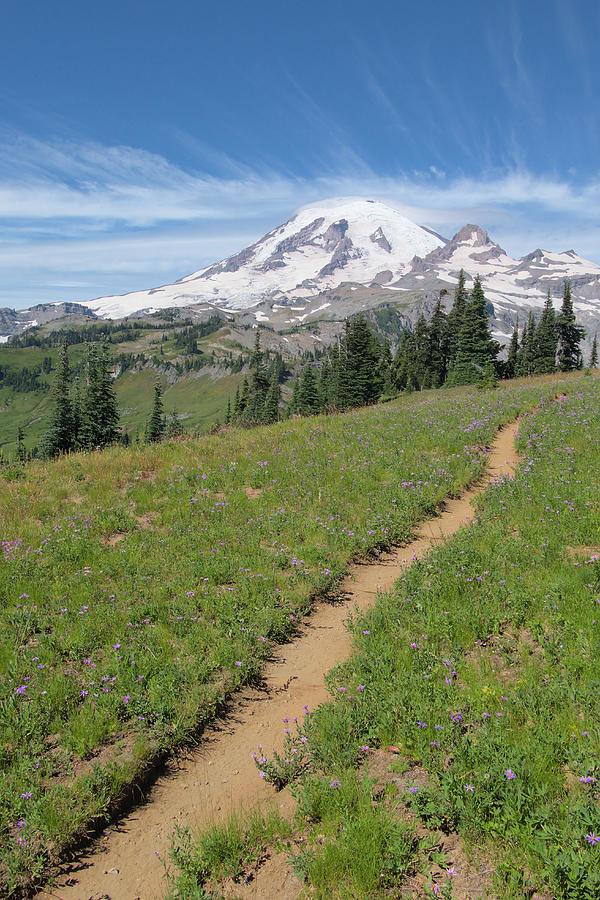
(78, 219)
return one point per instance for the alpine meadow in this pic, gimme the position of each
(299, 450)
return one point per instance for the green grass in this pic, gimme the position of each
(482, 666)
(199, 401)
(225, 850)
(142, 585)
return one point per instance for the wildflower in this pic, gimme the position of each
(126, 698)
(510, 774)
(27, 795)
(365, 748)
(469, 787)
(335, 783)
(592, 838)
(413, 789)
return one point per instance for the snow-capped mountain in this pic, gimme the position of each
(323, 244)
(512, 286)
(339, 256)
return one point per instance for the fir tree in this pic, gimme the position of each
(362, 356)
(60, 436)
(324, 386)
(292, 408)
(545, 340)
(455, 317)
(475, 345)
(594, 353)
(258, 386)
(513, 350)
(308, 403)
(527, 355)
(155, 428)
(438, 345)
(272, 400)
(569, 334)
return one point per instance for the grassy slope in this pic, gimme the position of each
(142, 585)
(483, 668)
(198, 401)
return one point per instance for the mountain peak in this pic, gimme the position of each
(471, 234)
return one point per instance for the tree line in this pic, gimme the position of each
(452, 348)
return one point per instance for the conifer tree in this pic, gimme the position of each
(438, 345)
(545, 340)
(526, 358)
(98, 411)
(324, 386)
(155, 428)
(272, 400)
(362, 356)
(258, 385)
(475, 345)
(308, 403)
(228, 413)
(455, 317)
(385, 370)
(569, 334)
(594, 353)
(60, 437)
(513, 350)
(292, 408)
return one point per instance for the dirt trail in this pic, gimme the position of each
(219, 775)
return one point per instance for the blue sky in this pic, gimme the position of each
(140, 141)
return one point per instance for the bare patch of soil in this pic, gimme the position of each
(219, 776)
(111, 540)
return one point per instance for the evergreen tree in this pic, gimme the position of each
(362, 357)
(60, 436)
(324, 386)
(421, 366)
(513, 350)
(455, 317)
(475, 345)
(569, 334)
(594, 353)
(155, 427)
(527, 355)
(545, 340)
(292, 408)
(308, 403)
(385, 370)
(97, 409)
(258, 386)
(438, 345)
(228, 413)
(107, 400)
(272, 400)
